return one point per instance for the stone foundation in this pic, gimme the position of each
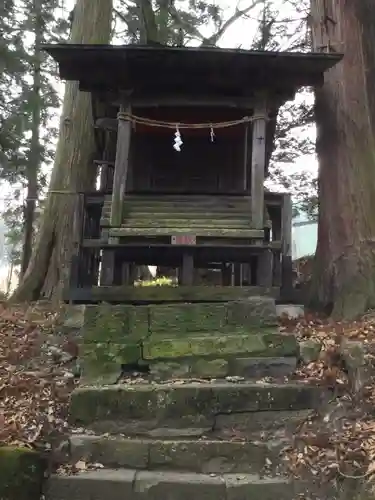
(184, 340)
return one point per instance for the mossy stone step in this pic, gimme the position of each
(155, 485)
(237, 366)
(202, 455)
(121, 323)
(220, 345)
(187, 405)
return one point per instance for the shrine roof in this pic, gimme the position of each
(152, 68)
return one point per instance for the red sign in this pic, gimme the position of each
(184, 239)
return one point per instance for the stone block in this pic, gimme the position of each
(173, 369)
(211, 368)
(115, 323)
(360, 369)
(263, 421)
(98, 365)
(74, 317)
(124, 354)
(310, 350)
(292, 311)
(211, 456)
(93, 485)
(246, 487)
(21, 473)
(109, 451)
(166, 402)
(252, 312)
(258, 345)
(188, 368)
(176, 485)
(180, 319)
(278, 367)
(103, 360)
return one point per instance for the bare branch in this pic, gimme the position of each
(213, 40)
(189, 28)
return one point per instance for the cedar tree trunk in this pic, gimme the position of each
(72, 171)
(344, 277)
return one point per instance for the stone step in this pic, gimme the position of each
(242, 366)
(258, 455)
(246, 423)
(156, 485)
(139, 408)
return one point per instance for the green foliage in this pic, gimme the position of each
(17, 103)
(161, 281)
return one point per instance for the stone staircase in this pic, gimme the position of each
(198, 421)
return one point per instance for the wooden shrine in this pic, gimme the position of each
(184, 138)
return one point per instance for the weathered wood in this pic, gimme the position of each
(107, 124)
(165, 231)
(265, 269)
(238, 274)
(286, 241)
(121, 170)
(272, 199)
(277, 276)
(108, 163)
(187, 269)
(242, 103)
(258, 162)
(246, 157)
(188, 224)
(142, 243)
(108, 262)
(159, 294)
(178, 213)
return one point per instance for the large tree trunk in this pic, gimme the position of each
(35, 146)
(344, 277)
(73, 169)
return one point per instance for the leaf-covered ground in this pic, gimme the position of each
(339, 442)
(36, 376)
(38, 371)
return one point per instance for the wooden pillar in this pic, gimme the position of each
(258, 163)
(187, 269)
(238, 274)
(265, 268)
(286, 245)
(121, 169)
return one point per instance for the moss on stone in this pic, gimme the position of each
(258, 345)
(101, 361)
(115, 323)
(252, 312)
(21, 474)
(184, 318)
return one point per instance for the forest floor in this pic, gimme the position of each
(38, 371)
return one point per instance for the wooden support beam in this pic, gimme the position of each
(265, 269)
(242, 103)
(121, 170)
(108, 262)
(107, 124)
(258, 168)
(187, 271)
(286, 245)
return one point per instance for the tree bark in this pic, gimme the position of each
(344, 277)
(73, 170)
